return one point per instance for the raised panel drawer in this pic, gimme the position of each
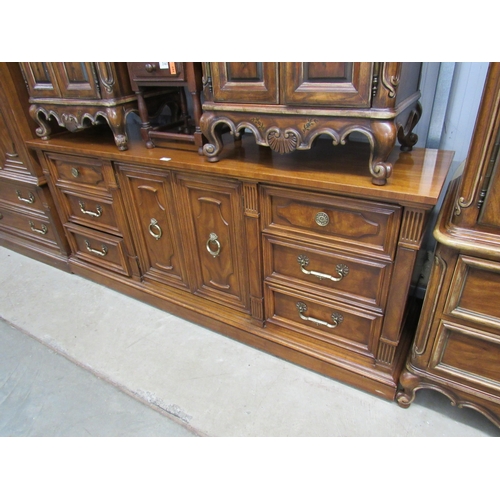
(321, 324)
(20, 195)
(150, 71)
(355, 280)
(26, 224)
(467, 355)
(363, 226)
(100, 249)
(473, 280)
(91, 212)
(75, 171)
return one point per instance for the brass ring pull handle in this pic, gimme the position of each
(44, 229)
(75, 172)
(97, 252)
(150, 67)
(213, 239)
(336, 317)
(96, 214)
(30, 199)
(322, 219)
(342, 270)
(158, 232)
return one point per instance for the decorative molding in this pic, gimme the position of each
(282, 142)
(386, 352)
(391, 82)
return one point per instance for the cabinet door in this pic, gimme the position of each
(245, 82)
(336, 84)
(148, 197)
(213, 220)
(41, 79)
(76, 80)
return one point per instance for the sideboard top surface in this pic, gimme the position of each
(418, 176)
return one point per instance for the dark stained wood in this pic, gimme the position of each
(456, 348)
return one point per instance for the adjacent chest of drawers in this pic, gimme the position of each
(29, 222)
(457, 346)
(271, 250)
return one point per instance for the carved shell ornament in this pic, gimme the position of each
(282, 142)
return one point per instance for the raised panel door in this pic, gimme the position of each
(213, 220)
(245, 82)
(76, 80)
(41, 79)
(149, 201)
(336, 84)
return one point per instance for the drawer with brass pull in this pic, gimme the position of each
(323, 324)
(97, 213)
(75, 171)
(153, 71)
(21, 195)
(363, 226)
(25, 224)
(356, 280)
(100, 249)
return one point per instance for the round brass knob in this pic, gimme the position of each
(150, 67)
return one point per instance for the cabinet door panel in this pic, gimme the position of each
(76, 80)
(41, 79)
(245, 82)
(327, 83)
(214, 222)
(150, 205)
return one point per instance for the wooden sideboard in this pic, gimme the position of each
(279, 252)
(288, 105)
(29, 222)
(457, 347)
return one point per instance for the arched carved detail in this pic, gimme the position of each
(406, 137)
(391, 82)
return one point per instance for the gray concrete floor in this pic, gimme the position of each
(79, 359)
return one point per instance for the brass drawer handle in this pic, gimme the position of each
(44, 229)
(75, 172)
(336, 317)
(97, 213)
(158, 232)
(322, 219)
(342, 270)
(97, 252)
(150, 67)
(30, 199)
(213, 238)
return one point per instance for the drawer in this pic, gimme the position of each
(100, 249)
(473, 280)
(33, 226)
(467, 355)
(153, 71)
(320, 323)
(359, 281)
(21, 195)
(75, 171)
(92, 212)
(363, 226)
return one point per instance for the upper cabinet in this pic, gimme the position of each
(288, 105)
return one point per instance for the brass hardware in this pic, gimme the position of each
(342, 270)
(97, 252)
(159, 232)
(75, 172)
(213, 239)
(150, 67)
(97, 213)
(30, 199)
(322, 219)
(44, 229)
(336, 317)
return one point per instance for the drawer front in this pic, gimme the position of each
(91, 212)
(467, 355)
(162, 71)
(473, 280)
(359, 281)
(363, 226)
(99, 249)
(320, 323)
(19, 195)
(27, 225)
(74, 171)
